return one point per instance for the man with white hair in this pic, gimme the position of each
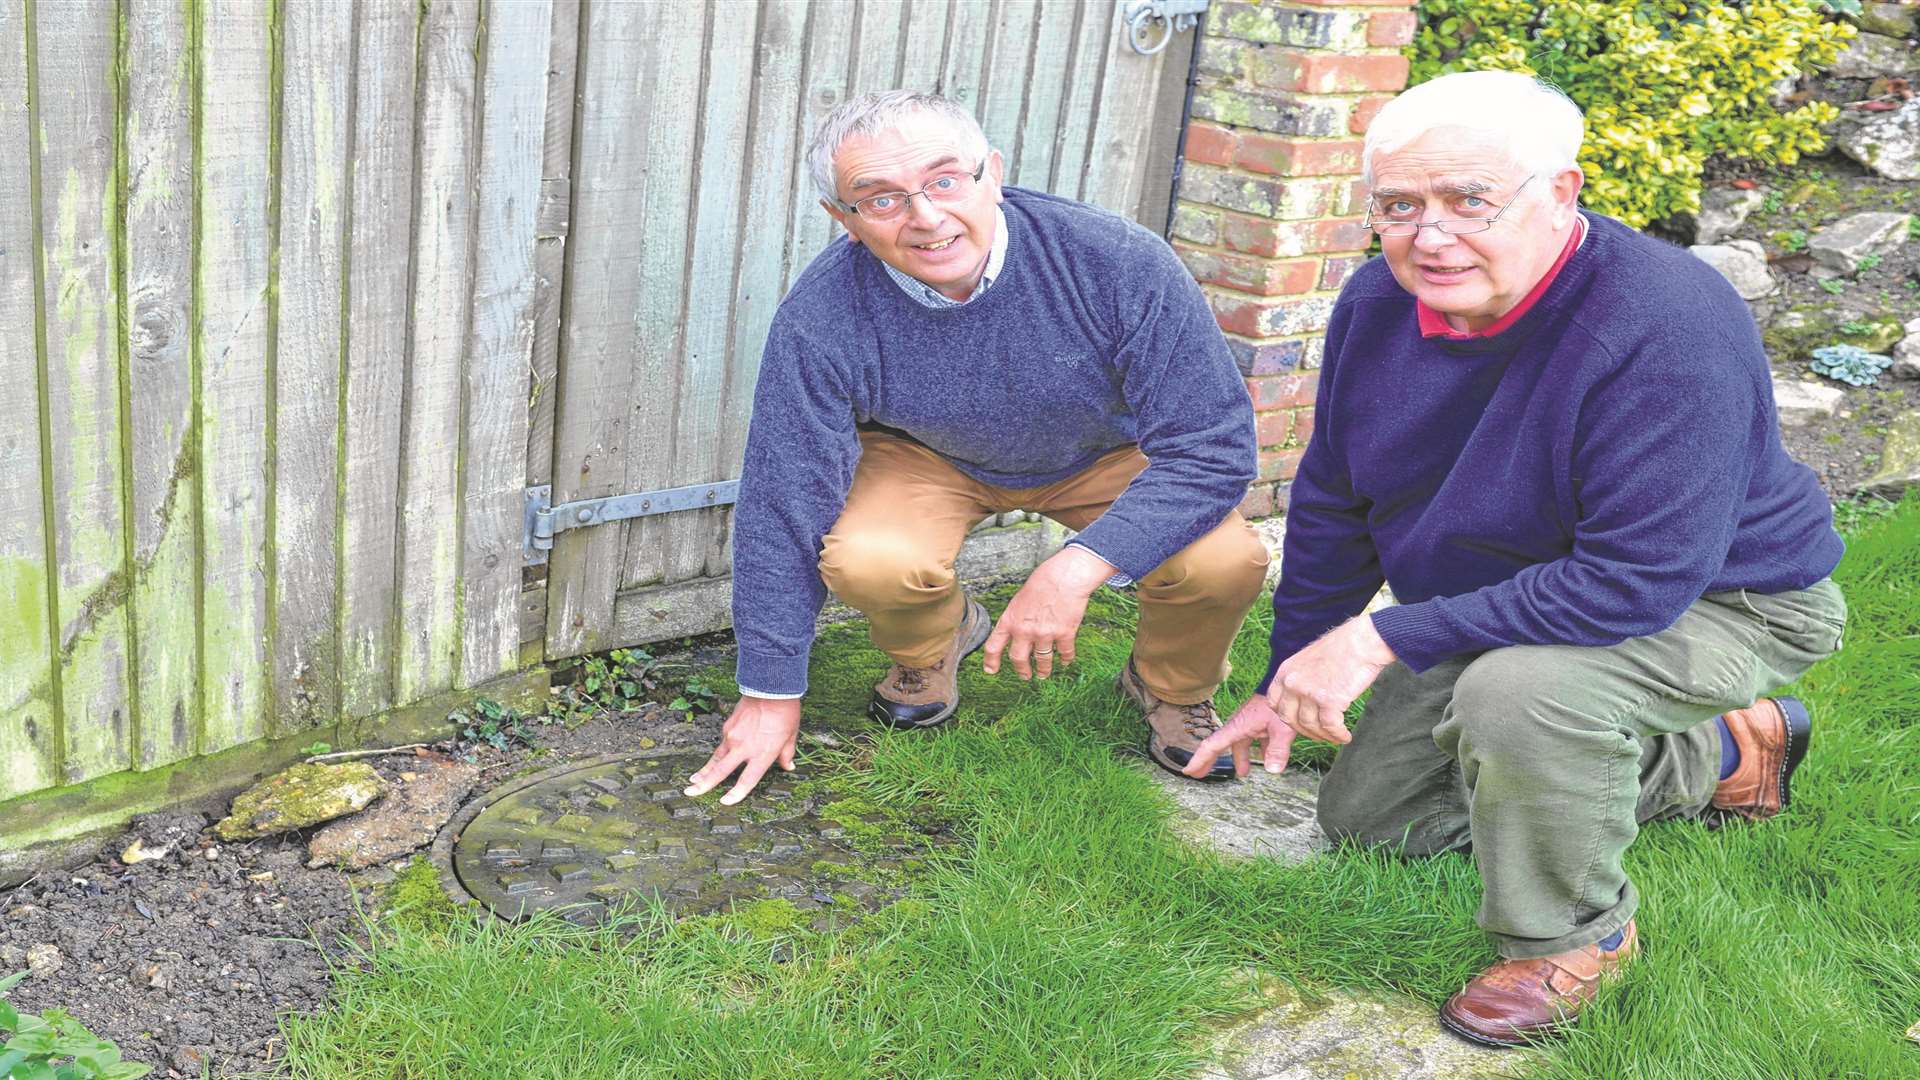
(970, 349)
(1554, 438)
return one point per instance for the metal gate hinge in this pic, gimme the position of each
(1176, 15)
(543, 520)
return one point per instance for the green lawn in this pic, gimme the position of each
(1069, 934)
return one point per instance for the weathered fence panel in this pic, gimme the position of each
(265, 473)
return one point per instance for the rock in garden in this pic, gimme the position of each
(1722, 211)
(1886, 142)
(408, 818)
(1801, 402)
(301, 796)
(44, 959)
(1899, 458)
(1838, 248)
(1742, 262)
(1892, 20)
(1869, 56)
(1906, 355)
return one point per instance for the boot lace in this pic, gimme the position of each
(1199, 719)
(912, 680)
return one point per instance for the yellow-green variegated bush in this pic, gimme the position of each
(1665, 85)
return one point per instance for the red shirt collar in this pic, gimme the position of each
(1435, 325)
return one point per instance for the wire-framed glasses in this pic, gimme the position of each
(948, 187)
(1401, 217)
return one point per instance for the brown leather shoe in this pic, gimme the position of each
(1174, 732)
(1516, 1002)
(918, 697)
(1772, 736)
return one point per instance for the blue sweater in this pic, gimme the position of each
(1580, 478)
(1093, 337)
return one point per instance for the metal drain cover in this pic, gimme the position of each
(583, 836)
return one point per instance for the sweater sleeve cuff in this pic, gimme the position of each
(1119, 546)
(1416, 634)
(771, 676)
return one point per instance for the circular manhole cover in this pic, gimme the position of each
(584, 836)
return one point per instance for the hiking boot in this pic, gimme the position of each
(1174, 732)
(1772, 736)
(1516, 1002)
(918, 697)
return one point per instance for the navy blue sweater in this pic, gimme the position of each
(1093, 337)
(1580, 478)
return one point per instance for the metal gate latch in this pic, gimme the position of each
(1177, 15)
(543, 520)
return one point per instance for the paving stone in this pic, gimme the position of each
(1344, 1036)
(1262, 815)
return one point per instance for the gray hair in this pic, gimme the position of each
(869, 114)
(1541, 126)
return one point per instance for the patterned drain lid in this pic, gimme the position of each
(586, 836)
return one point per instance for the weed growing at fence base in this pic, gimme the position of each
(1070, 933)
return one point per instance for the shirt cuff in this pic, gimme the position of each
(1119, 580)
(748, 691)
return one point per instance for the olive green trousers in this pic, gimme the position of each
(1543, 761)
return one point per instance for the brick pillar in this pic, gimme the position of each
(1270, 201)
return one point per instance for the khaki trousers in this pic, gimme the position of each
(1544, 760)
(890, 556)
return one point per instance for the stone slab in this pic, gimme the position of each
(1838, 248)
(1343, 1036)
(1265, 814)
(1742, 263)
(1899, 458)
(1800, 402)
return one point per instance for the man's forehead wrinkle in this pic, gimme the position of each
(889, 169)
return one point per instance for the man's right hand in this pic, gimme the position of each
(760, 732)
(1255, 721)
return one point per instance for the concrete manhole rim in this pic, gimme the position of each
(443, 844)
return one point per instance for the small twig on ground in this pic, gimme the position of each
(343, 755)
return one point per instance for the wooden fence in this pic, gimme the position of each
(298, 298)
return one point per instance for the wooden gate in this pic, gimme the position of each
(692, 212)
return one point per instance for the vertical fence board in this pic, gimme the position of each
(378, 268)
(1046, 86)
(78, 127)
(926, 44)
(620, 66)
(316, 86)
(828, 42)
(28, 738)
(876, 61)
(763, 240)
(158, 292)
(652, 449)
(428, 655)
(1117, 163)
(232, 253)
(512, 138)
(694, 537)
(1006, 90)
(963, 75)
(1074, 136)
(550, 231)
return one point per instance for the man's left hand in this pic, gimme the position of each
(1313, 687)
(1041, 621)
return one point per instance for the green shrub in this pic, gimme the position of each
(1665, 84)
(55, 1046)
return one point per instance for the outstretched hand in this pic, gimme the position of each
(1041, 622)
(1309, 695)
(760, 733)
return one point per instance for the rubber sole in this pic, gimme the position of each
(1481, 1040)
(878, 712)
(1799, 737)
(1222, 766)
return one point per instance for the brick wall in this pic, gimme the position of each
(1270, 201)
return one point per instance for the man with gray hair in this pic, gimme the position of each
(1555, 440)
(970, 349)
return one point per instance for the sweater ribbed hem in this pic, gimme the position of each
(1416, 634)
(772, 674)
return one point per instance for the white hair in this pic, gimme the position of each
(1541, 128)
(869, 114)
